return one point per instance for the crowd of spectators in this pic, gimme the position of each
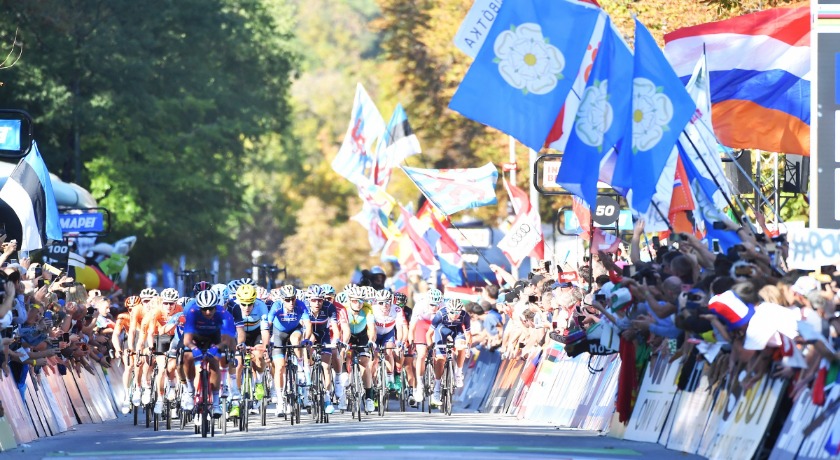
(738, 311)
(48, 321)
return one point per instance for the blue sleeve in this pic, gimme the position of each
(227, 324)
(438, 318)
(304, 314)
(466, 321)
(236, 311)
(174, 318)
(189, 321)
(269, 318)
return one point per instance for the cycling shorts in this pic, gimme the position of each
(383, 340)
(281, 339)
(361, 339)
(252, 338)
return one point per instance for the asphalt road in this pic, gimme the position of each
(410, 435)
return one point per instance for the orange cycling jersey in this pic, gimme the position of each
(154, 322)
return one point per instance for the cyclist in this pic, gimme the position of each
(287, 323)
(135, 344)
(425, 308)
(390, 329)
(202, 336)
(407, 363)
(343, 337)
(251, 312)
(324, 326)
(342, 378)
(158, 342)
(362, 329)
(120, 337)
(450, 323)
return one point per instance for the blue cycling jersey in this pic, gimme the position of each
(322, 321)
(179, 329)
(252, 321)
(196, 323)
(286, 321)
(443, 320)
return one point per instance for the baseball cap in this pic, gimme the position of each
(536, 279)
(520, 284)
(511, 296)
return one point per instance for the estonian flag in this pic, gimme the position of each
(27, 204)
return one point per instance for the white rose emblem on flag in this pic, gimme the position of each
(595, 115)
(527, 61)
(652, 111)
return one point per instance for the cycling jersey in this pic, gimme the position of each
(386, 322)
(422, 312)
(358, 321)
(284, 320)
(443, 323)
(208, 330)
(321, 322)
(340, 312)
(253, 320)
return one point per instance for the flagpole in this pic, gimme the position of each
(663, 216)
(712, 174)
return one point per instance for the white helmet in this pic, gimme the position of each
(314, 291)
(206, 299)
(435, 296)
(287, 291)
(454, 306)
(169, 295)
(148, 293)
(355, 293)
(383, 295)
(369, 292)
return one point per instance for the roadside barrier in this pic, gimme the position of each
(704, 418)
(53, 403)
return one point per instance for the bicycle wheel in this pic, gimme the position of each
(382, 389)
(155, 415)
(204, 404)
(167, 413)
(428, 387)
(450, 387)
(290, 392)
(403, 390)
(358, 389)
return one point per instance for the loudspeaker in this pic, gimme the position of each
(797, 169)
(736, 178)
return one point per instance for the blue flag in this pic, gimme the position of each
(661, 109)
(526, 67)
(599, 124)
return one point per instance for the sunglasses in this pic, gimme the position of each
(289, 299)
(316, 300)
(146, 300)
(208, 308)
(246, 305)
(168, 303)
(382, 302)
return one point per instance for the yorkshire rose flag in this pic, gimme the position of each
(453, 190)
(27, 204)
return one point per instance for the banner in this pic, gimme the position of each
(655, 400)
(811, 248)
(356, 153)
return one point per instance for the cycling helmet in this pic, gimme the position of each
(206, 299)
(300, 294)
(233, 285)
(286, 292)
(248, 281)
(454, 306)
(201, 286)
(183, 301)
(148, 293)
(328, 290)
(342, 298)
(377, 270)
(369, 292)
(169, 295)
(356, 293)
(314, 291)
(347, 287)
(262, 293)
(400, 299)
(435, 296)
(383, 295)
(132, 301)
(246, 294)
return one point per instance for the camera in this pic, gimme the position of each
(718, 225)
(532, 298)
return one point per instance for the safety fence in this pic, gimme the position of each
(549, 386)
(53, 403)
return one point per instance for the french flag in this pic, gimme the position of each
(760, 75)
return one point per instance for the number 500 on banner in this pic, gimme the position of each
(519, 241)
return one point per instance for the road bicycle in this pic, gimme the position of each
(317, 391)
(428, 380)
(356, 395)
(447, 384)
